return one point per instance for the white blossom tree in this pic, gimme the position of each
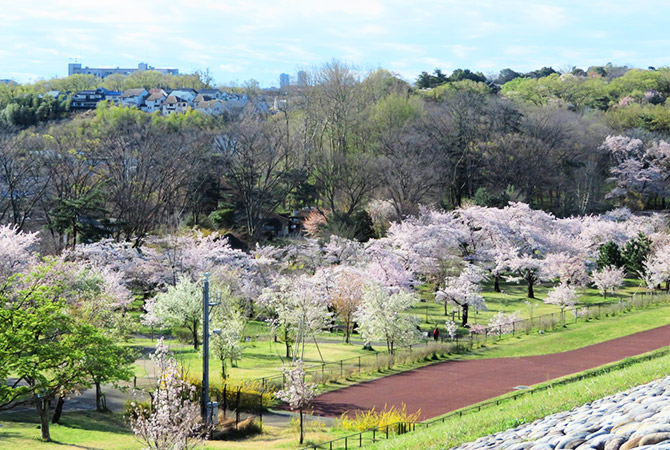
(464, 291)
(298, 305)
(228, 321)
(173, 420)
(502, 323)
(297, 392)
(563, 296)
(380, 317)
(179, 306)
(608, 279)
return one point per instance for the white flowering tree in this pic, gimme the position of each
(228, 320)
(179, 306)
(451, 328)
(657, 267)
(379, 317)
(173, 420)
(297, 392)
(16, 250)
(464, 291)
(563, 296)
(298, 305)
(608, 279)
(502, 323)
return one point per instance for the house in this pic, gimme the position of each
(174, 105)
(211, 94)
(113, 97)
(134, 97)
(184, 93)
(235, 103)
(209, 107)
(154, 101)
(89, 98)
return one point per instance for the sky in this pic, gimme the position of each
(239, 40)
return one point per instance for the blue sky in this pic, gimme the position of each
(242, 39)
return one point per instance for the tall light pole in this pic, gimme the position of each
(207, 409)
(204, 397)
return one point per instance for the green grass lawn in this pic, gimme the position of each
(512, 298)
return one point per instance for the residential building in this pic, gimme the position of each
(88, 99)
(134, 97)
(102, 72)
(211, 94)
(184, 93)
(154, 101)
(174, 105)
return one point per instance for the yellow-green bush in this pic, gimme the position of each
(368, 420)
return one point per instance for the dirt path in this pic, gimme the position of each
(451, 385)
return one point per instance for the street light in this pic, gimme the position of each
(208, 410)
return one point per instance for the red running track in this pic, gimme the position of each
(447, 386)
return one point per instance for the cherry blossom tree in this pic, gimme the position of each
(297, 393)
(228, 321)
(563, 296)
(347, 295)
(179, 306)
(464, 291)
(173, 420)
(451, 328)
(298, 306)
(379, 317)
(16, 250)
(502, 323)
(608, 279)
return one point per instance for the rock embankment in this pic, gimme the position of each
(638, 418)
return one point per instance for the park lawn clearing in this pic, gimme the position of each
(109, 431)
(457, 429)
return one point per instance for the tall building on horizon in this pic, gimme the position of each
(284, 80)
(302, 78)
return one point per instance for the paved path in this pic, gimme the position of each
(444, 387)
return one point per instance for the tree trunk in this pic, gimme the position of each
(531, 293)
(302, 433)
(347, 332)
(465, 309)
(223, 369)
(496, 283)
(59, 409)
(98, 396)
(288, 348)
(42, 404)
(194, 332)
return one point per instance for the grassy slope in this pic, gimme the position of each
(457, 430)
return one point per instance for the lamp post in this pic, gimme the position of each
(207, 409)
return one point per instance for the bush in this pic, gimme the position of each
(368, 420)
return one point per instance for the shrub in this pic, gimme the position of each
(368, 420)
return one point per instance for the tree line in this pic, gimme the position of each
(338, 144)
